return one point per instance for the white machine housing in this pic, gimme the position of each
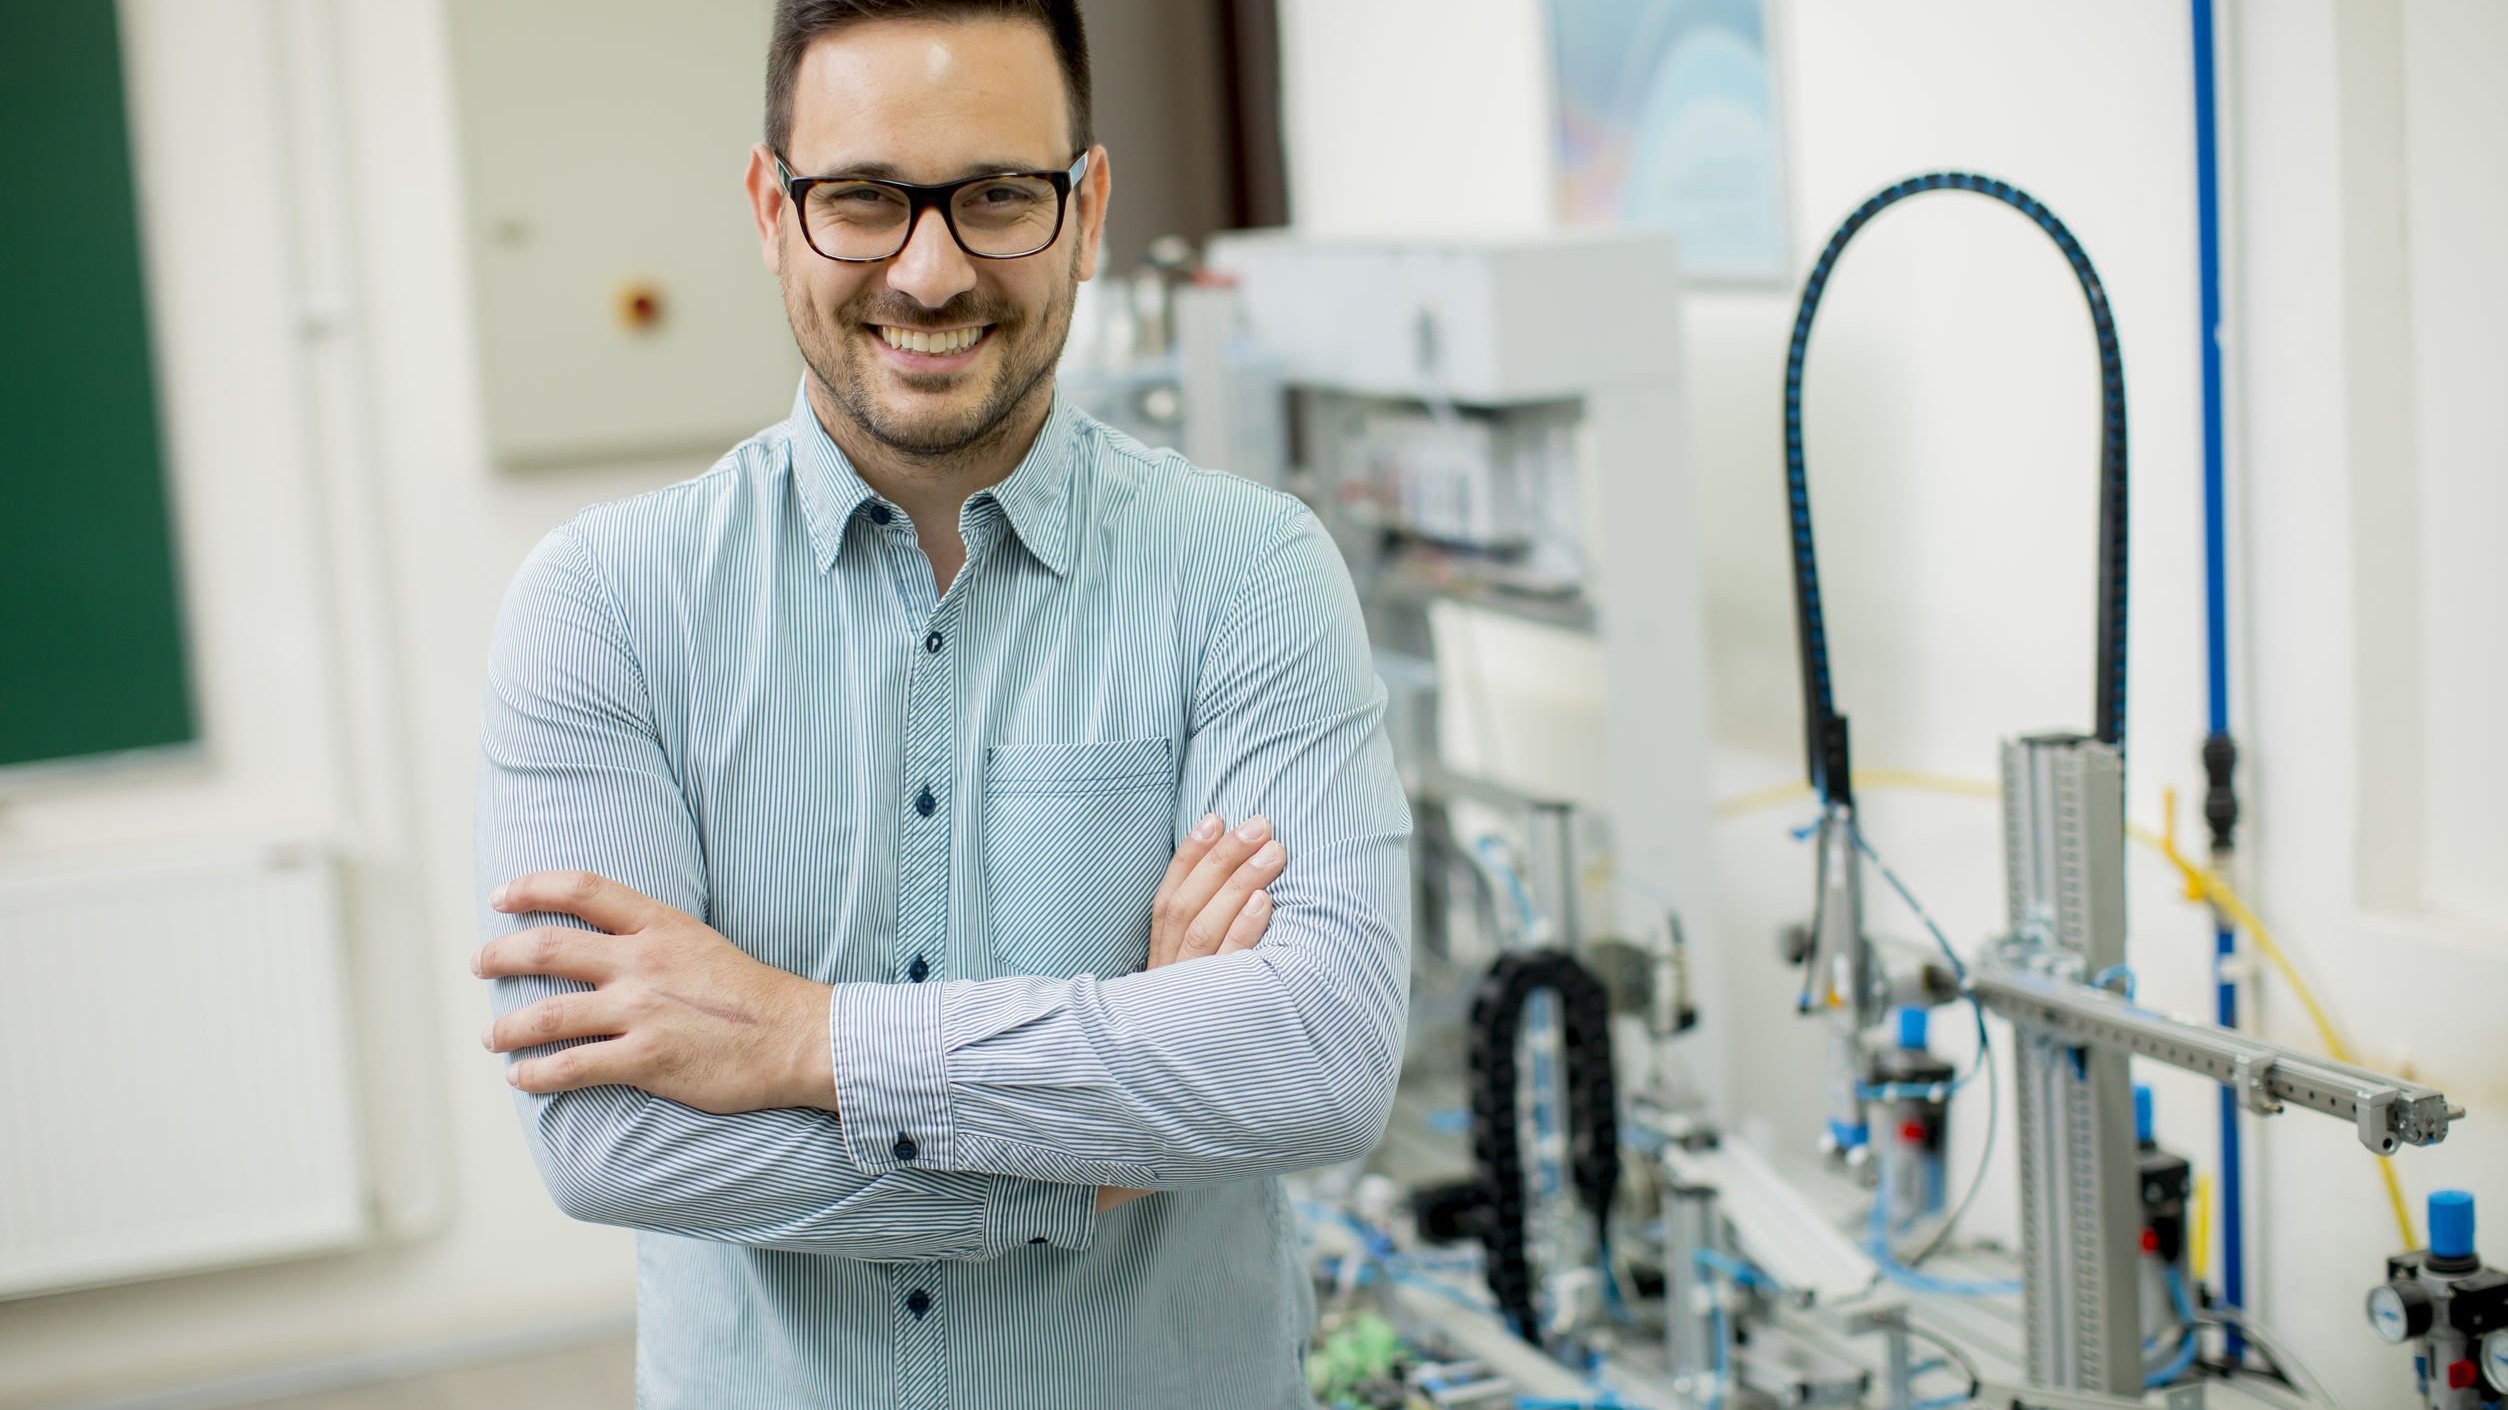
(1585, 324)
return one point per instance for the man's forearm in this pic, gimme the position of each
(779, 1178)
(782, 1180)
(1281, 1058)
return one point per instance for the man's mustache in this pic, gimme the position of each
(957, 313)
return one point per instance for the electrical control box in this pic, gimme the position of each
(620, 307)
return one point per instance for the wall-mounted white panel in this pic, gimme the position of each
(603, 143)
(2455, 122)
(174, 1069)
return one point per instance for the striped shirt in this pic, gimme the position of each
(742, 695)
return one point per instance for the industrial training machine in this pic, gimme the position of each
(1566, 1212)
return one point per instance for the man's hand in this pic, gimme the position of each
(688, 1015)
(1212, 901)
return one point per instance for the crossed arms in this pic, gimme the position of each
(976, 1116)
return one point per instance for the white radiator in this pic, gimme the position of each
(175, 1071)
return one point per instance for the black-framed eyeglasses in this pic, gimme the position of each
(860, 219)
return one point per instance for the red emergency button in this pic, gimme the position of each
(2460, 1375)
(1913, 1133)
(2150, 1240)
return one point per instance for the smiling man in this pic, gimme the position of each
(881, 836)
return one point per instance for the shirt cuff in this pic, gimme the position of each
(892, 1077)
(1019, 1212)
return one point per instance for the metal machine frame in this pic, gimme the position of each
(2064, 842)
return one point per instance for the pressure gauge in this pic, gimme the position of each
(2399, 1312)
(2495, 1358)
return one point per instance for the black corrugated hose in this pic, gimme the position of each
(1592, 1114)
(1825, 729)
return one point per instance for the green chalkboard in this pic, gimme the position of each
(91, 623)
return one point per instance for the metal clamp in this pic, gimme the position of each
(2377, 1120)
(2251, 1076)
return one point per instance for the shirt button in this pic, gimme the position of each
(878, 513)
(924, 802)
(918, 970)
(918, 1303)
(932, 642)
(905, 1147)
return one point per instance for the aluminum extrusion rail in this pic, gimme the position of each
(2387, 1112)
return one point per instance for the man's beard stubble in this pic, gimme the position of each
(1028, 353)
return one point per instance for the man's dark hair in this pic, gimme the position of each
(798, 23)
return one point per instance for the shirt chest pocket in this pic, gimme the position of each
(1076, 837)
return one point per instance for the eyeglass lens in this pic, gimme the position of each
(1003, 217)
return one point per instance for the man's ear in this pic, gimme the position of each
(766, 206)
(1097, 189)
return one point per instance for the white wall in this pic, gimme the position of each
(1952, 441)
(2370, 846)
(322, 386)
(2456, 122)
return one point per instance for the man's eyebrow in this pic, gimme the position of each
(890, 171)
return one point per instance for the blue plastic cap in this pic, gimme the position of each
(1914, 1026)
(2451, 1224)
(2142, 1115)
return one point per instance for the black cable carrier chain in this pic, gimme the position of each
(1592, 1115)
(1829, 757)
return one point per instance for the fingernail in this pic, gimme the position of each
(1207, 828)
(496, 898)
(1254, 829)
(474, 962)
(513, 1075)
(1269, 856)
(1259, 902)
(487, 1037)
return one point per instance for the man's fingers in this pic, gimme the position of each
(1193, 895)
(554, 1020)
(582, 894)
(1189, 853)
(1191, 850)
(1247, 931)
(584, 1065)
(1210, 929)
(558, 950)
(1109, 1197)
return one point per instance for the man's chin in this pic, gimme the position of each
(919, 426)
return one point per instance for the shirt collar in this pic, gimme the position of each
(1034, 498)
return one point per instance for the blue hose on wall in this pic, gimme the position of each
(2220, 754)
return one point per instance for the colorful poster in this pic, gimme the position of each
(1668, 120)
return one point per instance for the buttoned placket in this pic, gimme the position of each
(927, 824)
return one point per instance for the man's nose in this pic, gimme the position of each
(931, 269)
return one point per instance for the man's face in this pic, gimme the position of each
(929, 102)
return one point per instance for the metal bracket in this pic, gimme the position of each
(2388, 1112)
(2377, 1120)
(2251, 1075)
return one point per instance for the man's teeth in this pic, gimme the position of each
(942, 343)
